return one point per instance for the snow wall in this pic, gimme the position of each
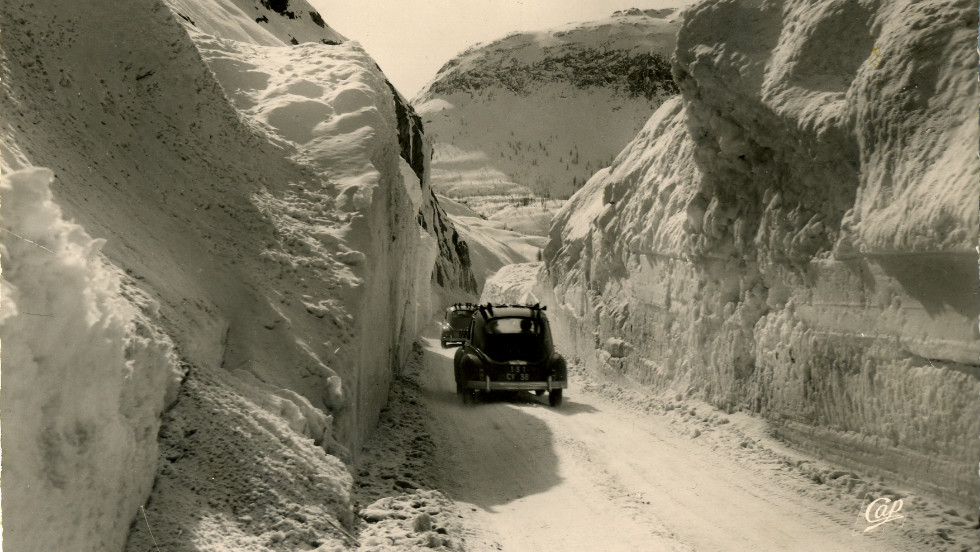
(795, 235)
(85, 378)
(262, 231)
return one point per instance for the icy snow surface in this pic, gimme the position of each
(796, 234)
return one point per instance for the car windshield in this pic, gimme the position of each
(460, 320)
(514, 339)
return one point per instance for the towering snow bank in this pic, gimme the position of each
(796, 234)
(539, 112)
(374, 218)
(85, 378)
(283, 242)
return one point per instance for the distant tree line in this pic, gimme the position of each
(643, 74)
(279, 6)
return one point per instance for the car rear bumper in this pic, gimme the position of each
(488, 385)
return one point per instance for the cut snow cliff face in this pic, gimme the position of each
(540, 112)
(85, 379)
(795, 235)
(282, 253)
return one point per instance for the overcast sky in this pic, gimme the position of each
(412, 39)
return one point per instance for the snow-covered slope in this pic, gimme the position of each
(491, 243)
(540, 112)
(796, 234)
(260, 22)
(515, 283)
(280, 253)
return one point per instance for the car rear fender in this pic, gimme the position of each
(468, 363)
(558, 367)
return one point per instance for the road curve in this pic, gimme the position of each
(595, 475)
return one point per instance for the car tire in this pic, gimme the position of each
(444, 344)
(469, 396)
(554, 397)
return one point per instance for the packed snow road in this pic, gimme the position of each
(595, 474)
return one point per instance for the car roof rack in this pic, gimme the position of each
(487, 308)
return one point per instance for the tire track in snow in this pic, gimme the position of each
(595, 474)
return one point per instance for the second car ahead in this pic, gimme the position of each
(456, 326)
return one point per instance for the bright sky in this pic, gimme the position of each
(412, 39)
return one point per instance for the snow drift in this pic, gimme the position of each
(265, 205)
(795, 235)
(514, 284)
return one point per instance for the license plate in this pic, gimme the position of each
(517, 372)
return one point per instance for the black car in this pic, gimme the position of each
(456, 326)
(510, 349)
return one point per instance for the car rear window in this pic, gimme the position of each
(460, 319)
(514, 346)
(514, 339)
(513, 326)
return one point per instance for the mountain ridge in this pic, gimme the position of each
(537, 113)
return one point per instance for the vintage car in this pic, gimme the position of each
(510, 349)
(456, 326)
